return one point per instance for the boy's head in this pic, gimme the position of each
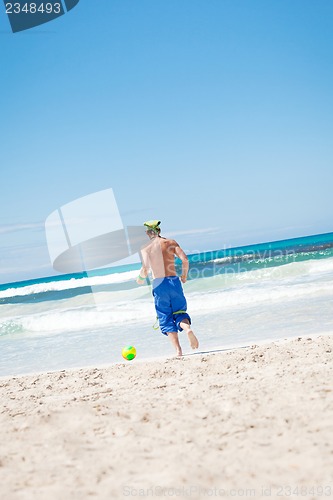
(152, 227)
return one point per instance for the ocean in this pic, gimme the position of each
(236, 297)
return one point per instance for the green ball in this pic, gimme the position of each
(129, 353)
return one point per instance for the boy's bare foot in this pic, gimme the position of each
(173, 336)
(193, 340)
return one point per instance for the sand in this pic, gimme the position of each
(249, 423)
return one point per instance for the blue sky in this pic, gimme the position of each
(214, 116)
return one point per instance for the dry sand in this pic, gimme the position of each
(204, 426)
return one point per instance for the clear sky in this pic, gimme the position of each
(215, 116)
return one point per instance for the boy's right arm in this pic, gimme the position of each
(185, 265)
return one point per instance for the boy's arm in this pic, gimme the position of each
(142, 275)
(144, 269)
(185, 265)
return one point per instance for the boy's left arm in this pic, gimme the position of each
(144, 269)
(142, 275)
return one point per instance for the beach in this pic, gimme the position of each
(253, 422)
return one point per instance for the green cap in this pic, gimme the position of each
(152, 224)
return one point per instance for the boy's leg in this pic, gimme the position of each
(185, 325)
(179, 304)
(173, 336)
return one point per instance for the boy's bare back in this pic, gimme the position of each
(159, 256)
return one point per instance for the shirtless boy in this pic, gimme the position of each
(170, 303)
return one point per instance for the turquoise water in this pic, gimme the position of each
(235, 296)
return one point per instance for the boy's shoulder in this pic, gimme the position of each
(169, 241)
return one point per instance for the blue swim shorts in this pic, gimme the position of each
(169, 299)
